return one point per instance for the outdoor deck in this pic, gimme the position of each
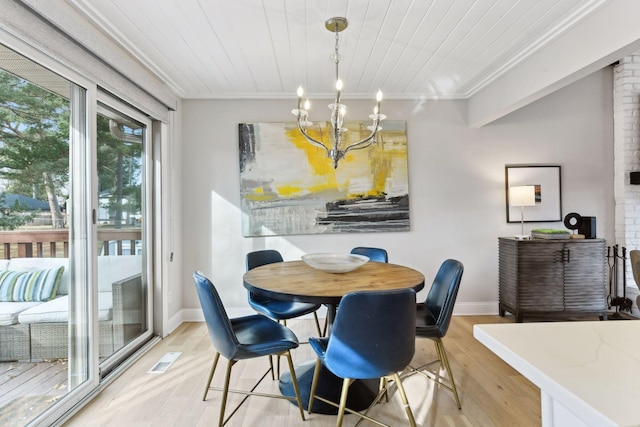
(28, 389)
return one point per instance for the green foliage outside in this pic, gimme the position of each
(34, 154)
(119, 171)
(12, 217)
(34, 141)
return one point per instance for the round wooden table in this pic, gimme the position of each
(296, 281)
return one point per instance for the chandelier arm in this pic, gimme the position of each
(364, 143)
(311, 140)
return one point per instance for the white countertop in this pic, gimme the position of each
(591, 368)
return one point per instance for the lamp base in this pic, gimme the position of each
(522, 237)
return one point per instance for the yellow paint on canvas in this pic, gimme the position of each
(289, 190)
(317, 157)
(258, 197)
(378, 160)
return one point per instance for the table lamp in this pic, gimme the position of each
(522, 195)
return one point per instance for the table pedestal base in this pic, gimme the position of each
(361, 392)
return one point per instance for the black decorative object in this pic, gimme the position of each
(588, 227)
(573, 221)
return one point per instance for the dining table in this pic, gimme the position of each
(297, 281)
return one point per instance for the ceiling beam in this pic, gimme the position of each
(601, 39)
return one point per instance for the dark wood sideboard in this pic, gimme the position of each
(552, 279)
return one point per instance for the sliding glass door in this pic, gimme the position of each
(44, 292)
(123, 223)
(75, 228)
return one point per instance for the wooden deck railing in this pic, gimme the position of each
(55, 243)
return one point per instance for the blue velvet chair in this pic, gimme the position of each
(434, 315)
(373, 336)
(242, 338)
(374, 254)
(277, 310)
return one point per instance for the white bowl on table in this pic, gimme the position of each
(335, 263)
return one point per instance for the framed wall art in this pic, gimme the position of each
(548, 192)
(289, 186)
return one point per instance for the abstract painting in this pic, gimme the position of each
(288, 186)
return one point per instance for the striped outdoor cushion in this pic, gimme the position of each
(25, 286)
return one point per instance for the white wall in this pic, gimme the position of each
(456, 184)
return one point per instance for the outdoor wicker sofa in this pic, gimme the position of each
(38, 330)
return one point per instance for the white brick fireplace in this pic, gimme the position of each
(626, 118)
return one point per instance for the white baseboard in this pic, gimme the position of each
(196, 315)
(475, 308)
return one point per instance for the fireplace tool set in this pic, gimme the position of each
(621, 303)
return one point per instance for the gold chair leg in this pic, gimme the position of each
(405, 401)
(445, 359)
(213, 369)
(225, 392)
(343, 401)
(294, 380)
(384, 386)
(439, 354)
(314, 384)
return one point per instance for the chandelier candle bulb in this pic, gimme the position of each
(378, 98)
(300, 93)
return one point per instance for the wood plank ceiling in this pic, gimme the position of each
(435, 49)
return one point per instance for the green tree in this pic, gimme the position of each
(34, 141)
(12, 217)
(119, 168)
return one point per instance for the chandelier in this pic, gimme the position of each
(338, 110)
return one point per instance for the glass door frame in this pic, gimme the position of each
(147, 228)
(83, 166)
(82, 150)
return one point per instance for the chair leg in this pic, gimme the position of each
(225, 392)
(439, 356)
(213, 369)
(343, 401)
(294, 380)
(320, 331)
(384, 386)
(445, 360)
(405, 401)
(273, 373)
(314, 384)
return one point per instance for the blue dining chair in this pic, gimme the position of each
(434, 316)
(374, 254)
(242, 338)
(275, 309)
(373, 336)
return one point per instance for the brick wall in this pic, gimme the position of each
(626, 119)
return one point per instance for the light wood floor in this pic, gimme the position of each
(491, 392)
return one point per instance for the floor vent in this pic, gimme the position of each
(164, 363)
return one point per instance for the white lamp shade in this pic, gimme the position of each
(523, 195)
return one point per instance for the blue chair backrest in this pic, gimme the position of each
(218, 323)
(442, 295)
(374, 254)
(258, 258)
(373, 334)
